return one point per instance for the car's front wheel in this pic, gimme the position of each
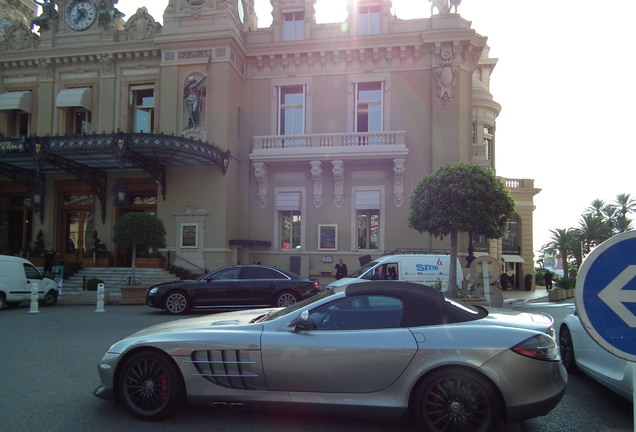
(286, 298)
(456, 400)
(2, 301)
(50, 298)
(566, 349)
(176, 303)
(150, 386)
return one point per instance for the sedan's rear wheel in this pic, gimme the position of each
(286, 298)
(456, 400)
(566, 349)
(176, 303)
(150, 386)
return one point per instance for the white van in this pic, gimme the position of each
(418, 268)
(17, 275)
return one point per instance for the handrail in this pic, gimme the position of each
(204, 270)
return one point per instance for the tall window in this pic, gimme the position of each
(510, 243)
(17, 123)
(79, 121)
(142, 106)
(367, 205)
(368, 107)
(488, 138)
(293, 25)
(288, 207)
(368, 20)
(291, 103)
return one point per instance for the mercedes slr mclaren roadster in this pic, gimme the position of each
(377, 345)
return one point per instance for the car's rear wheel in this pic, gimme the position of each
(50, 298)
(456, 400)
(286, 298)
(150, 386)
(566, 349)
(177, 303)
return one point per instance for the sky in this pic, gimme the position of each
(563, 81)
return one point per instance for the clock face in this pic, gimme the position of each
(80, 15)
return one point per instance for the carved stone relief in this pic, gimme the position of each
(260, 172)
(316, 175)
(338, 177)
(142, 25)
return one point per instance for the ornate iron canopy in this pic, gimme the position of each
(91, 157)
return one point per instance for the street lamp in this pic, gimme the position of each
(120, 191)
(36, 193)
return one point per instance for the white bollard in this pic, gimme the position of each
(100, 298)
(34, 298)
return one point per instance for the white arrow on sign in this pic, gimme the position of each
(613, 295)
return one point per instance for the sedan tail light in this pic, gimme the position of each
(540, 347)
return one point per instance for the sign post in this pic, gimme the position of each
(606, 297)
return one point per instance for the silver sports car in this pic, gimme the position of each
(377, 345)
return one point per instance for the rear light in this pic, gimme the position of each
(540, 347)
(316, 284)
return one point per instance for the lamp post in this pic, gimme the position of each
(120, 192)
(36, 193)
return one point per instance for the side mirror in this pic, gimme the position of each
(303, 322)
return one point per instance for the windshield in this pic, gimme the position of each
(362, 270)
(301, 304)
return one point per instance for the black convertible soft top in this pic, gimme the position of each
(423, 305)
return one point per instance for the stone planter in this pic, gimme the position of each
(569, 293)
(133, 294)
(150, 262)
(554, 295)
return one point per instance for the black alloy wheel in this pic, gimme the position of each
(150, 386)
(456, 400)
(566, 349)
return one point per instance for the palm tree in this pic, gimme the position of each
(596, 207)
(625, 204)
(561, 244)
(593, 230)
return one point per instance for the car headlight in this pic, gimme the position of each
(153, 291)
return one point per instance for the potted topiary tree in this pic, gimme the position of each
(139, 231)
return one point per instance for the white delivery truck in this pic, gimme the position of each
(17, 276)
(426, 269)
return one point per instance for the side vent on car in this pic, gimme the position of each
(229, 368)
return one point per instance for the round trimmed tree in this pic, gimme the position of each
(139, 231)
(460, 197)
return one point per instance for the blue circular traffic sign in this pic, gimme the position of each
(606, 295)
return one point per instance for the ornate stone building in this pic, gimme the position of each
(294, 145)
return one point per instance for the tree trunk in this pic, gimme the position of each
(452, 277)
(134, 263)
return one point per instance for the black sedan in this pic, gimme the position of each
(233, 287)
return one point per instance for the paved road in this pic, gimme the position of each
(48, 372)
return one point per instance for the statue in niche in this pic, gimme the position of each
(49, 14)
(194, 93)
(444, 6)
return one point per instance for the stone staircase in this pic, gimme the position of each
(114, 278)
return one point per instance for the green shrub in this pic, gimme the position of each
(91, 284)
